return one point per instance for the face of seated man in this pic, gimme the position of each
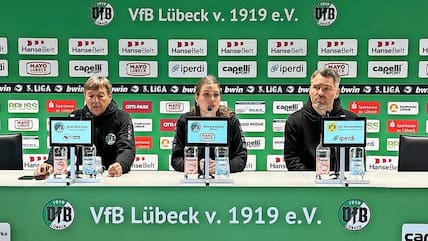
(97, 100)
(323, 91)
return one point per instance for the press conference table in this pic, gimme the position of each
(156, 205)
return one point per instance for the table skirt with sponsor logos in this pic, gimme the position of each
(268, 206)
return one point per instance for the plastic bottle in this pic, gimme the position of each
(356, 163)
(322, 162)
(222, 168)
(191, 162)
(60, 161)
(89, 164)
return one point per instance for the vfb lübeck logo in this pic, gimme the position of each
(101, 13)
(58, 214)
(325, 13)
(354, 214)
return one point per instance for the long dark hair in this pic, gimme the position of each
(210, 80)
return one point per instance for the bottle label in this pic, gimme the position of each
(191, 165)
(88, 163)
(222, 166)
(323, 166)
(356, 166)
(60, 165)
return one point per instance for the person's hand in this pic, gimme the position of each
(115, 170)
(211, 168)
(43, 170)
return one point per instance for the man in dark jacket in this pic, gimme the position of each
(303, 127)
(113, 129)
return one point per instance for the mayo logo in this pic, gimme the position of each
(237, 47)
(3, 46)
(345, 69)
(137, 106)
(87, 46)
(337, 47)
(23, 124)
(387, 69)
(142, 124)
(187, 69)
(4, 68)
(287, 69)
(382, 163)
(388, 47)
(275, 163)
(250, 107)
(187, 47)
(237, 69)
(38, 46)
(88, 68)
(23, 106)
(255, 143)
(372, 144)
(138, 47)
(414, 232)
(287, 47)
(403, 108)
(168, 124)
(174, 107)
(286, 107)
(166, 142)
(253, 125)
(36, 68)
(147, 69)
(146, 162)
(278, 125)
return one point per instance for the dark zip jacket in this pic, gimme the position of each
(302, 136)
(113, 136)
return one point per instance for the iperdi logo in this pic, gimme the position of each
(58, 214)
(354, 214)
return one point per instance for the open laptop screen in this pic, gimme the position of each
(338, 132)
(211, 131)
(68, 131)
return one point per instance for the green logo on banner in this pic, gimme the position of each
(58, 214)
(101, 13)
(354, 214)
(325, 13)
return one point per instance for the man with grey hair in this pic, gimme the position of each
(303, 127)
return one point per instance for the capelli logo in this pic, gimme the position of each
(414, 232)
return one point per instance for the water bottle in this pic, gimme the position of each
(222, 168)
(191, 162)
(89, 164)
(60, 161)
(322, 162)
(356, 163)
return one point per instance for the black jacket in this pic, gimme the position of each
(302, 135)
(237, 147)
(113, 136)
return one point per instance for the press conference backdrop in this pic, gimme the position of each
(263, 53)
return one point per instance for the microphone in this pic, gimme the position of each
(88, 115)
